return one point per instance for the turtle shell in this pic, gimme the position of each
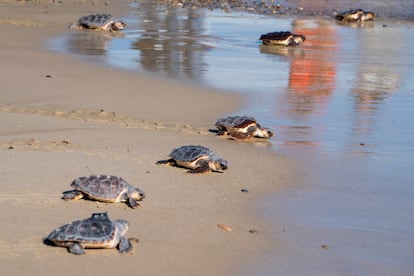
(282, 38)
(235, 122)
(105, 188)
(191, 153)
(356, 15)
(276, 36)
(95, 21)
(98, 231)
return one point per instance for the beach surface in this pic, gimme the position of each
(341, 207)
(62, 118)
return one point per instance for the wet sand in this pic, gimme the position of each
(62, 118)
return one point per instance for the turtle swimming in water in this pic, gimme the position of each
(98, 231)
(357, 15)
(282, 38)
(100, 21)
(198, 159)
(242, 127)
(106, 188)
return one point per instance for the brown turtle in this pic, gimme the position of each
(356, 15)
(282, 38)
(106, 188)
(100, 21)
(98, 231)
(198, 159)
(242, 127)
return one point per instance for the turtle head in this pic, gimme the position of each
(263, 132)
(368, 16)
(118, 25)
(266, 133)
(218, 165)
(121, 225)
(137, 194)
(298, 38)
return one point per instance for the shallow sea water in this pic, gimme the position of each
(343, 104)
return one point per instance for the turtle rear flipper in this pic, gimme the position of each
(72, 195)
(222, 131)
(168, 162)
(76, 248)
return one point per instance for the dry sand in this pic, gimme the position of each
(62, 118)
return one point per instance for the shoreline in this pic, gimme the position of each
(63, 118)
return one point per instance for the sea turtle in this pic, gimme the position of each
(100, 21)
(106, 188)
(242, 127)
(357, 15)
(98, 231)
(198, 159)
(282, 38)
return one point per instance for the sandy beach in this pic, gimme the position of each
(330, 194)
(62, 118)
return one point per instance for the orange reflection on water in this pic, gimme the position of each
(315, 72)
(312, 78)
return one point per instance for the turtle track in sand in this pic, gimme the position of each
(104, 117)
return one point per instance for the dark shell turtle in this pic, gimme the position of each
(100, 21)
(198, 159)
(357, 15)
(98, 231)
(106, 188)
(282, 38)
(242, 127)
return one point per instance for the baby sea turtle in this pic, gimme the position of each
(98, 231)
(198, 159)
(282, 38)
(106, 188)
(357, 15)
(100, 21)
(242, 127)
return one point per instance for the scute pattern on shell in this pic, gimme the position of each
(190, 153)
(276, 36)
(101, 186)
(95, 20)
(97, 229)
(236, 121)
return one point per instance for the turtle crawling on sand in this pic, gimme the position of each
(198, 159)
(357, 15)
(106, 188)
(282, 38)
(98, 231)
(242, 127)
(100, 21)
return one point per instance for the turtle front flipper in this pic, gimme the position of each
(72, 195)
(133, 203)
(125, 244)
(76, 248)
(241, 135)
(202, 166)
